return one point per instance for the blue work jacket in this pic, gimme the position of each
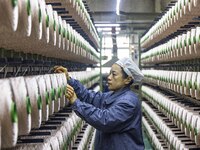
(115, 115)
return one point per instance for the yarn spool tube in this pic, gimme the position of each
(49, 90)
(36, 101)
(23, 104)
(45, 97)
(54, 92)
(8, 116)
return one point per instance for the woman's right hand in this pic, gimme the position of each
(61, 69)
(70, 94)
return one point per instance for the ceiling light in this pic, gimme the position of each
(110, 33)
(107, 29)
(118, 29)
(117, 7)
(104, 29)
(107, 25)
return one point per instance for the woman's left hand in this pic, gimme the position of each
(70, 94)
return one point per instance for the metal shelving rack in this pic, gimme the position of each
(162, 85)
(70, 39)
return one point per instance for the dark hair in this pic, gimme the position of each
(124, 75)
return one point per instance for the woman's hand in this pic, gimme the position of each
(61, 69)
(70, 94)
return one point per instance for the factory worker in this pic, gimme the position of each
(116, 115)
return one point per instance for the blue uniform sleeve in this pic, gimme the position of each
(114, 119)
(85, 95)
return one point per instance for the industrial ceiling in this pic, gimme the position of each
(135, 15)
(134, 18)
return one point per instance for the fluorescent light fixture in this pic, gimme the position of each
(109, 33)
(107, 25)
(108, 29)
(118, 29)
(117, 7)
(104, 29)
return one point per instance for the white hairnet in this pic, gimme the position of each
(131, 69)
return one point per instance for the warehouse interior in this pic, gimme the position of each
(134, 18)
(87, 37)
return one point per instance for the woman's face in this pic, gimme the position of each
(115, 78)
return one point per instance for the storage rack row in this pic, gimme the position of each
(35, 36)
(75, 13)
(170, 64)
(173, 132)
(35, 113)
(34, 27)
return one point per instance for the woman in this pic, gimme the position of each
(117, 114)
